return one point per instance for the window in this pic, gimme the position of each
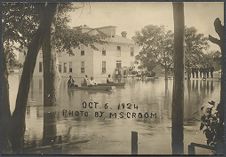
(118, 64)
(40, 67)
(118, 48)
(65, 67)
(131, 51)
(82, 67)
(70, 67)
(103, 52)
(60, 68)
(104, 67)
(82, 53)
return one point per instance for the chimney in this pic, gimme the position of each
(124, 34)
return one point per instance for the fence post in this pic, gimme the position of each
(134, 142)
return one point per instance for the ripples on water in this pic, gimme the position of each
(112, 135)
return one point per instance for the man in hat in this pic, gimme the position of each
(71, 82)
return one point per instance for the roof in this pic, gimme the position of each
(120, 39)
(104, 27)
(98, 31)
(82, 26)
(114, 39)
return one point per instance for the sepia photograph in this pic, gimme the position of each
(112, 78)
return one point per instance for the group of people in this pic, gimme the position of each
(118, 73)
(86, 81)
(203, 72)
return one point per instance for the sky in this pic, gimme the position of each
(133, 16)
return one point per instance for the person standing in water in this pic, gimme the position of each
(71, 82)
(85, 81)
(109, 79)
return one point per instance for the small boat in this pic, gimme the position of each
(120, 84)
(101, 88)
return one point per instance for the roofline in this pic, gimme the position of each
(82, 27)
(97, 31)
(105, 27)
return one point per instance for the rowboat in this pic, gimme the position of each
(99, 88)
(120, 84)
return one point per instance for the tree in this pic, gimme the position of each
(195, 44)
(216, 56)
(10, 56)
(18, 117)
(212, 58)
(219, 28)
(17, 121)
(13, 15)
(4, 96)
(166, 60)
(60, 38)
(178, 82)
(157, 47)
(37, 19)
(49, 93)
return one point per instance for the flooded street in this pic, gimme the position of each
(112, 135)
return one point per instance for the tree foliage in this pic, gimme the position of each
(26, 16)
(212, 58)
(157, 47)
(24, 26)
(195, 46)
(219, 133)
(68, 38)
(20, 20)
(210, 124)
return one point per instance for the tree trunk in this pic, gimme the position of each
(178, 83)
(222, 92)
(18, 118)
(49, 64)
(220, 144)
(4, 96)
(188, 74)
(166, 99)
(219, 28)
(166, 73)
(166, 103)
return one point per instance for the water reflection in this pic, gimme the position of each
(49, 128)
(91, 134)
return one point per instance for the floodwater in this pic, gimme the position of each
(79, 133)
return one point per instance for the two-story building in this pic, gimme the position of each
(117, 53)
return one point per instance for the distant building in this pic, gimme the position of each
(118, 53)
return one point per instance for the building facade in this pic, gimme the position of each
(117, 54)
